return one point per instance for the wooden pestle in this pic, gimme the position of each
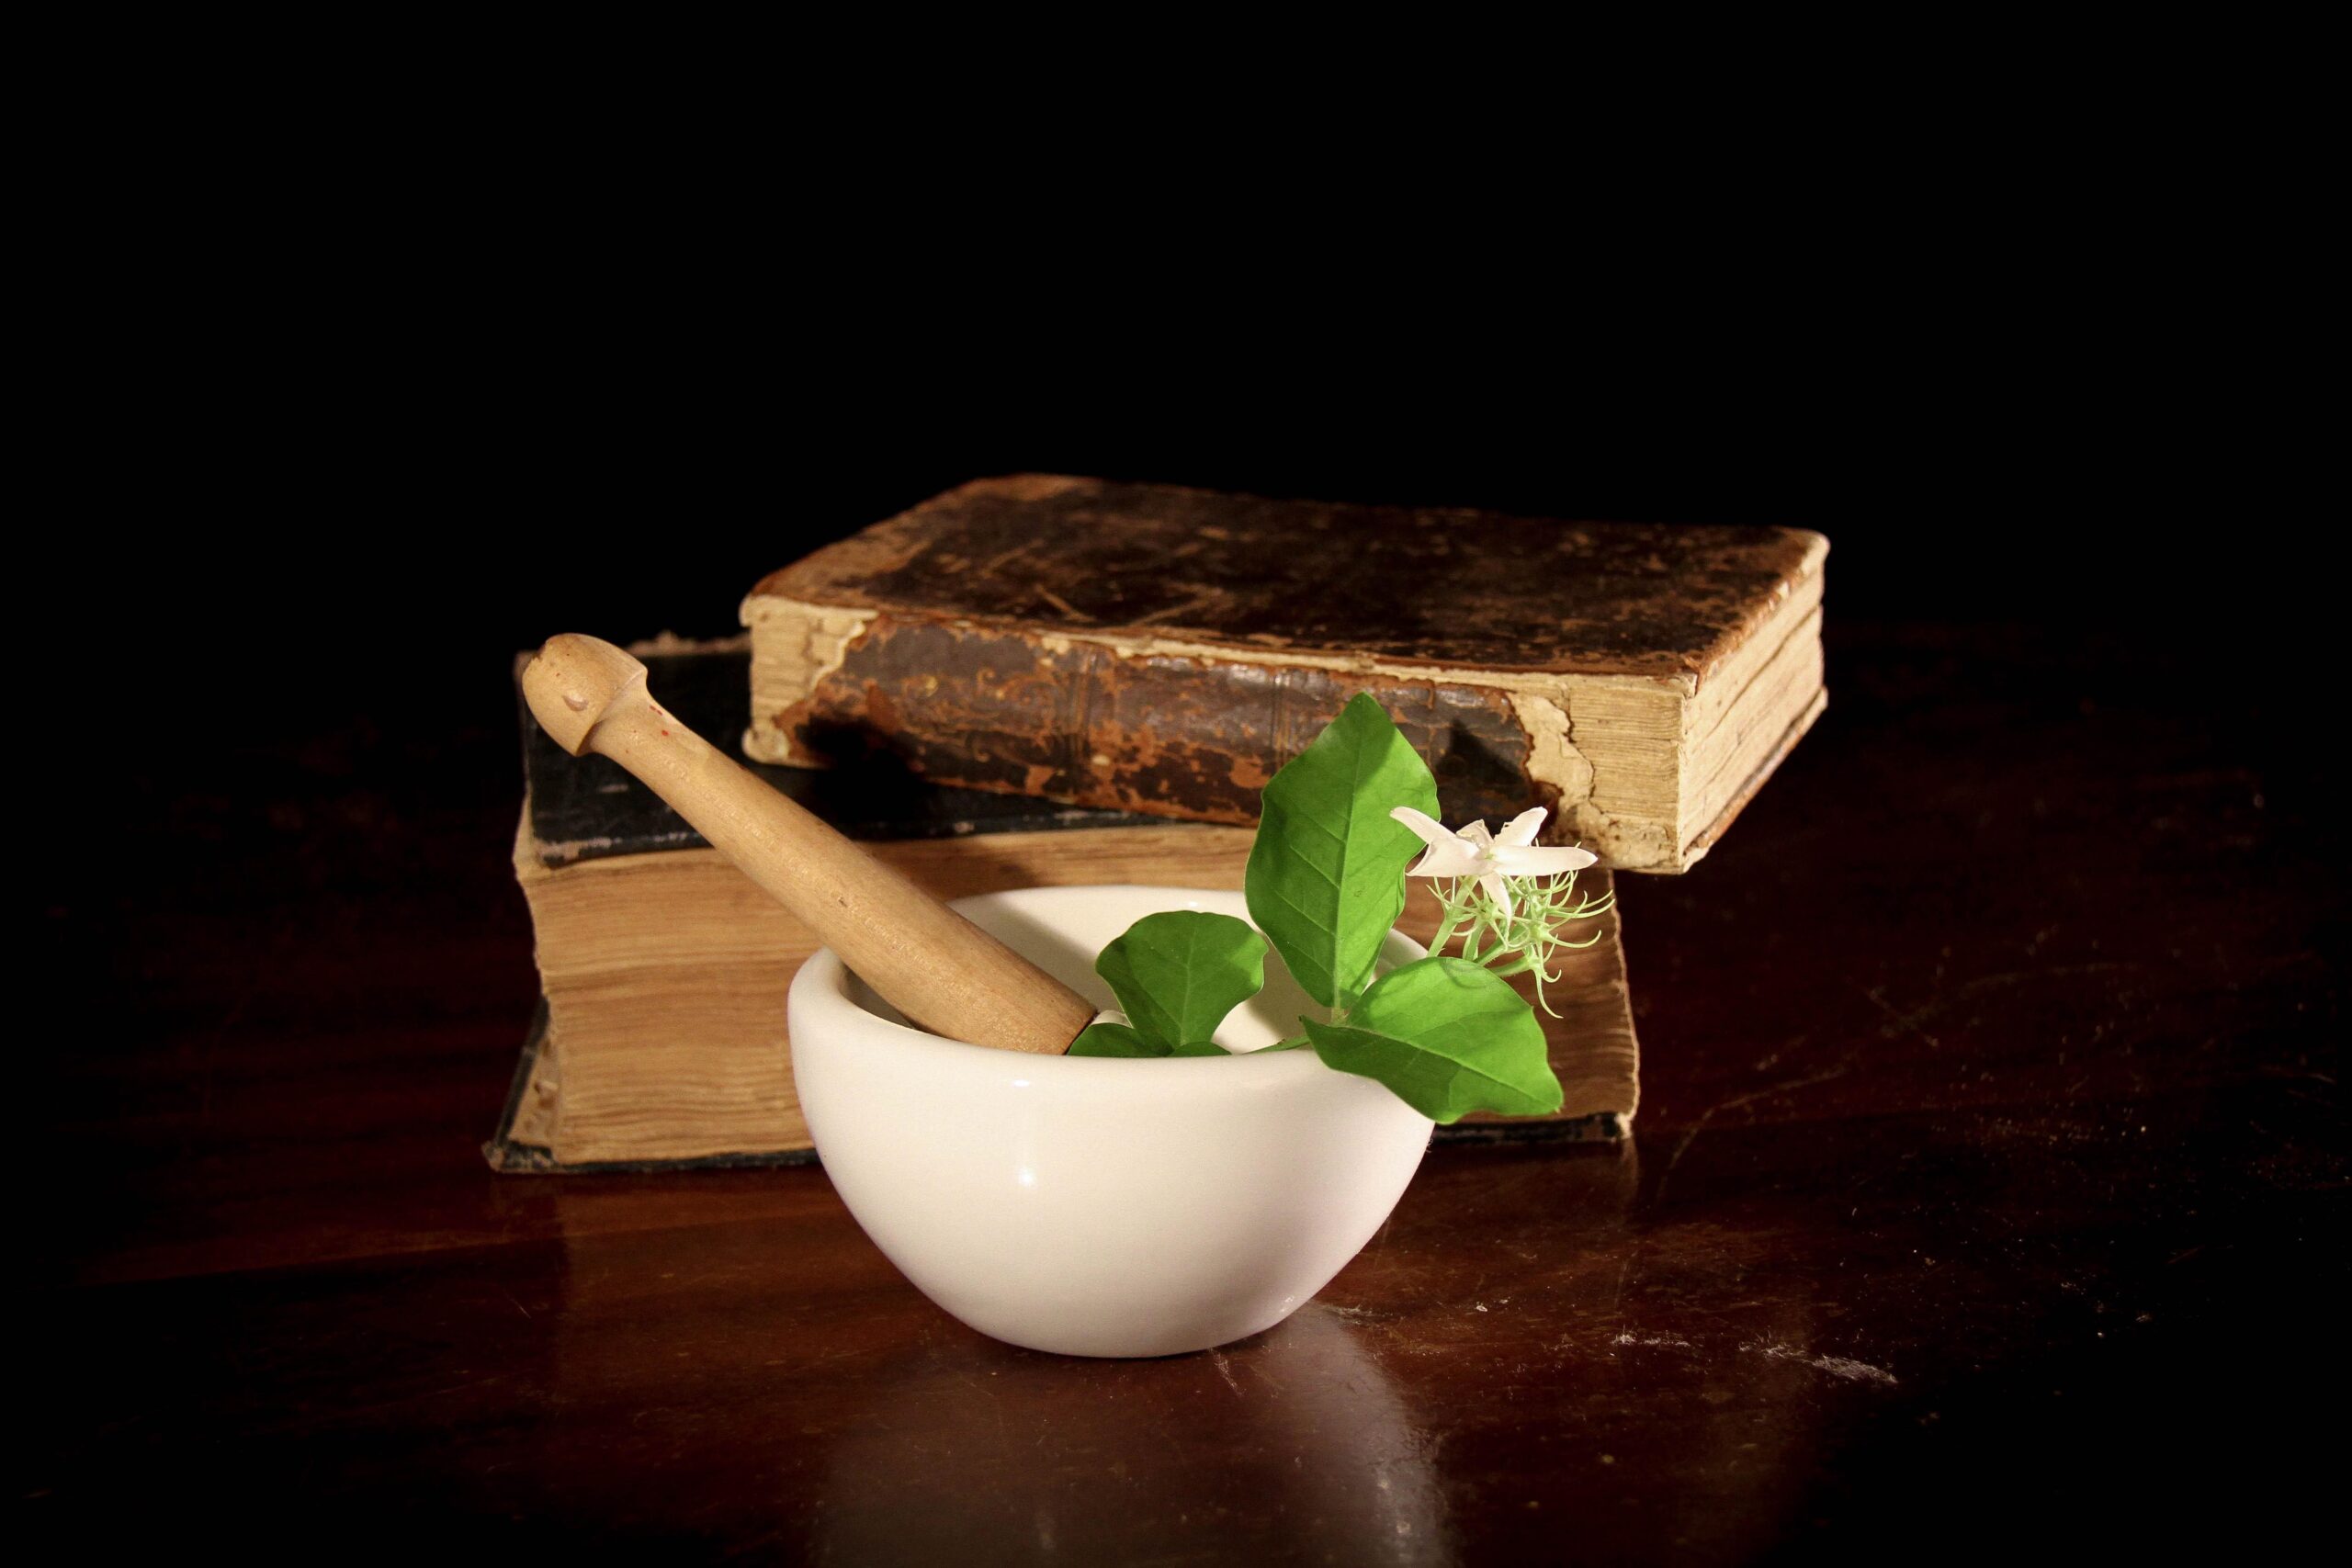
(921, 956)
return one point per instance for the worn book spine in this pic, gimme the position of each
(1134, 722)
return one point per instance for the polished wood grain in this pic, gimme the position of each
(1988, 1194)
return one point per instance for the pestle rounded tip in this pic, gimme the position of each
(571, 681)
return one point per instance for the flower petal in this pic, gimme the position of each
(1452, 858)
(1523, 829)
(1499, 890)
(1446, 855)
(1476, 834)
(1545, 860)
(1427, 829)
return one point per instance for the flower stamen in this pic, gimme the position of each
(1505, 898)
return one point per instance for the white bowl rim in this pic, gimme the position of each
(822, 990)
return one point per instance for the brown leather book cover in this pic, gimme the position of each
(1152, 649)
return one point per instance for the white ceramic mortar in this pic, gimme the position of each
(1100, 1206)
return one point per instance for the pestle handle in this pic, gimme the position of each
(921, 956)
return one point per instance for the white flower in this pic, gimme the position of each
(1489, 857)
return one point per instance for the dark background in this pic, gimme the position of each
(352, 396)
(319, 476)
(368, 525)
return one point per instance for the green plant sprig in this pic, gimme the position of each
(1326, 883)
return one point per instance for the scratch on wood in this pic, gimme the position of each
(1844, 1366)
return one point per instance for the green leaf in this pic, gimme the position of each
(1177, 975)
(1113, 1040)
(1326, 878)
(1448, 1037)
(1201, 1048)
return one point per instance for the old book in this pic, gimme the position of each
(1157, 649)
(662, 1039)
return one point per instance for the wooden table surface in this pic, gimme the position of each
(1987, 1194)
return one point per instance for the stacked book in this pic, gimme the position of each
(1044, 680)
